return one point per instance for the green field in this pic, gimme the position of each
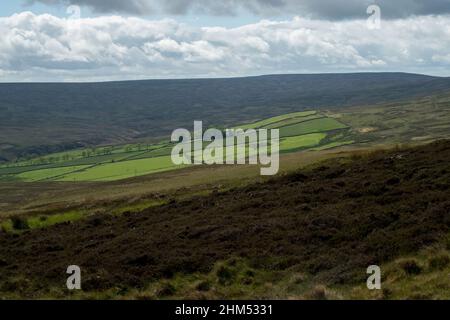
(16, 169)
(316, 125)
(85, 156)
(290, 121)
(121, 170)
(277, 119)
(47, 174)
(303, 141)
(298, 131)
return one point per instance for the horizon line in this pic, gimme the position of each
(226, 78)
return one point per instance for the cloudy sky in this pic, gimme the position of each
(98, 40)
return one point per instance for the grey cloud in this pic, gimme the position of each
(321, 9)
(135, 7)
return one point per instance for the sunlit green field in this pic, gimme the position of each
(298, 131)
(277, 119)
(121, 170)
(38, 175)
(303, 141)
(316, 125)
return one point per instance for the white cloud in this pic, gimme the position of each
(49, 48)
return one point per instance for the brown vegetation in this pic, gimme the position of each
(330, 221)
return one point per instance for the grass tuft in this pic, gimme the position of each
(439, 261)
(225, 275)
(166, 290)
(319, 292)
(410, 266)
(19, 223)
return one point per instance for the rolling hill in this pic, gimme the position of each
(40, 118)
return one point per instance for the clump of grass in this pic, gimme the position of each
(203, 286)
(248, 277)
(250, 273)
(420, 296)
(3, 227)
(319, 292)
(19, 223)
(386, 293)
(225, 275)
(144, 296)
(297, 278)
(439, 261)
(447, 243)
(16, 284)
(46, 221)
(166, 290)
(410, 266)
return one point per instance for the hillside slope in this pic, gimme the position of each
(330, 221)
(46, 117)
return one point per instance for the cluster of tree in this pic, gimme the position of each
(86, 153)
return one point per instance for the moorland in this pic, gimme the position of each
(92, 184)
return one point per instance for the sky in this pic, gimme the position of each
(98, 40)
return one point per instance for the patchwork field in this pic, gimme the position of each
(120, 170)
(298, 131)
(410, 122)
